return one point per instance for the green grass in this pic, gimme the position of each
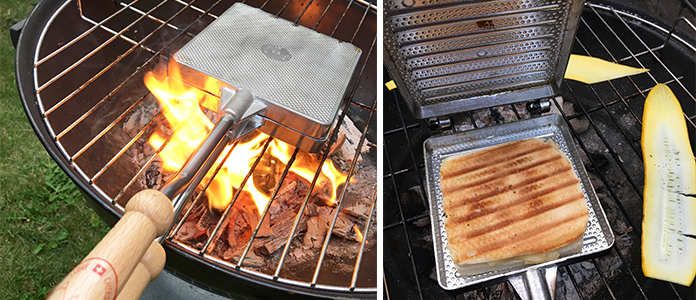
(46, 227)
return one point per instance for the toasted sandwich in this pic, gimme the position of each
(512, 204)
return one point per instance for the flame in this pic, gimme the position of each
(182, 109)
(358, 233)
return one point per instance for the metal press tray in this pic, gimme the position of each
(598, 235)
(300, 74)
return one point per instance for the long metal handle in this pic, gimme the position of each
(235, 107)
(535, 283)
(238, 115)
(149, 213)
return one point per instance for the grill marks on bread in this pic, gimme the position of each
(514, 199)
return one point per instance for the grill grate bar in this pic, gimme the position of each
(575, 284)
(199, 10)
(624, 262)
(156, 19)
(322, 15)
(301, 210)
(329, 232)
(268, 205)
(398, 197)
(669, 35)
(614, 59)
(146, 165)
(236, 196)
(283, 8)
(79, 37)
(107, 128)
(302, 13)
(104, 70)
(603, 277)
(101, 46)
(198, 197)
(286, 248)
(138, 70)
(125, 148)
(643, 43)
(367, 9)
(365, 230)
(341, 18)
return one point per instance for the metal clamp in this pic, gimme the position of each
(539, 107)
(440, 124)
(536, 283)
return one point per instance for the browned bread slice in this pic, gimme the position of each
(515, 202)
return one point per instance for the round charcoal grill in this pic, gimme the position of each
(80, 68)
(605, 121)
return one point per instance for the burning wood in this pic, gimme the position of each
(247, 212)
(237, 228)
(343, 151)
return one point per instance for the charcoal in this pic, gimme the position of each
(281, 232)
(316, 231)
(219, 233)
(349, 137)
(189, 231)
(251, 261)
(300, 255)
(344, 227)
(358, 211)
(207, 220)
(252, 218)
(231, 236)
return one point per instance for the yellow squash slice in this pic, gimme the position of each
(592, 70)
(669, 209)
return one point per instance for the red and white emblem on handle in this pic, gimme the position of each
(93, 275)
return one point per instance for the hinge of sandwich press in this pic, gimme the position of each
(539, 106)
(440, 124)
(246, 121)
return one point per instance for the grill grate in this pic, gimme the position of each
(107, 60)
(605, 122)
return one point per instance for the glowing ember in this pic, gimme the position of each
(182, 108)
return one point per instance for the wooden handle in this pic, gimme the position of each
(105, 270)
(148, 269)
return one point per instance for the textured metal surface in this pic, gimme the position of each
(598, 235)
(477, 53)
(301, 74)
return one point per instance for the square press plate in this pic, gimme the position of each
(302, 75)
(598, 235)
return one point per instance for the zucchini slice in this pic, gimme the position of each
(669, 208)
(592, 70)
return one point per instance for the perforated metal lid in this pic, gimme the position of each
(301, 74)
(451, 56)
